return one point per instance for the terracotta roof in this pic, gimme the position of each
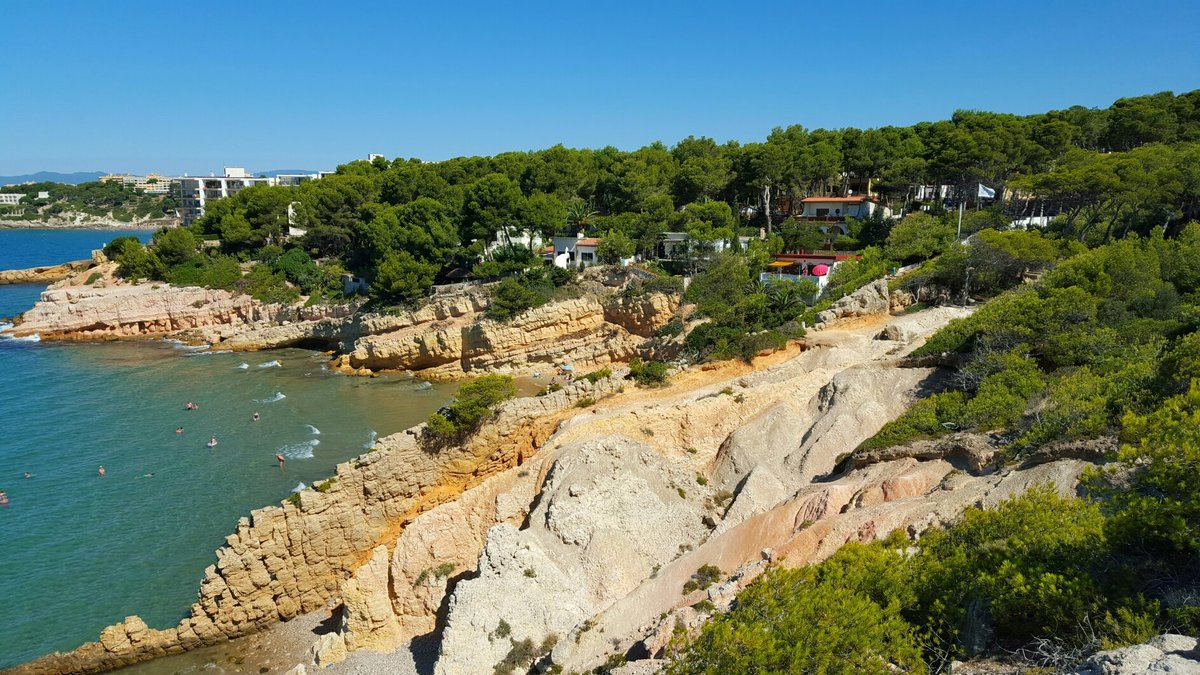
(839, 200)
(590, 241)
(548, 249)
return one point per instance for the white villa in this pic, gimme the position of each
(835, 210)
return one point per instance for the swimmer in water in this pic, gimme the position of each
(100, 471)
(3, 498)
(212, 442)
(179, 430)
(256, 416)
(280, 458)
(28, 475)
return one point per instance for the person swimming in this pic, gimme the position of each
(256, 416)
(212, 442)
(279, 457)
(3, 498)
(28, 475)
(179, 430)
(191, 406)
(100, 471)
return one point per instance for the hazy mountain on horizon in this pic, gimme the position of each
(53, 177)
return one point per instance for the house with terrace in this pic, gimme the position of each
(835, 210)
(814, 266)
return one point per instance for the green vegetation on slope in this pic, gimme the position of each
(94, 199)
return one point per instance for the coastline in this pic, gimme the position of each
(106, 224)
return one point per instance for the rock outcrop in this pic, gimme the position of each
(45, 274)
(1167, 654)
(588, 332)
(873, 298)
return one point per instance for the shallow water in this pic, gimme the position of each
(83, 551)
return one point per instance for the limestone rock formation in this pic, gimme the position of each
(1167, 654)
(583, 331)
(873, 298)
(45, 274)
(367, 618)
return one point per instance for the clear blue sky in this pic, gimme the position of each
(174, 87)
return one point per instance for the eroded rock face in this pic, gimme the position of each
(873, 298)
(610, 510)
(584, 331)
(367, 618)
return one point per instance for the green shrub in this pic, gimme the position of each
(789, 622)
(702, 578)
(585, 402)
(597, 375)
(648, 373)
(215, 271)
(475, 400)
(93, 278)
(266, 285)
(326, 485)
(511, 298)
(550, 389)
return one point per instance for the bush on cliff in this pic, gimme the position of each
(209, 271)
(474, 402)
(1036, 566)
(648, 373)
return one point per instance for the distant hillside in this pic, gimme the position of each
(276, 172)
(53, 177)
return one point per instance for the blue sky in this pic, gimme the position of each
(174, 87)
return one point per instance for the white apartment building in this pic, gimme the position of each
(195, 191)
(10, 198)
(151, 183)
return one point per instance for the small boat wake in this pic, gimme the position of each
(279, 396)
(244, 366)
(299, 450)
(270, 364)
(313, 430)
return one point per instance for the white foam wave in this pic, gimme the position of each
(299, 488)
(244, 366)
(28, 338)
(313, 430)
(422, 385)
(277, 397)
(270, 364)
(370, 441)
(299, 450)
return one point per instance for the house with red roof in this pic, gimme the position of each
(835, 210)
(571, 252)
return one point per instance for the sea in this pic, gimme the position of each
(80, 551)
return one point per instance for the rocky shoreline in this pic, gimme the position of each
(84, 221)
(572, 518)
(447, 338)
(44, 274)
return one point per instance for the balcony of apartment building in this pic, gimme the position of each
(213, 194)
(212, 185)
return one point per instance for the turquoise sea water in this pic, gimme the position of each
(81, 551)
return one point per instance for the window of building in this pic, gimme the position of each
(586, 257)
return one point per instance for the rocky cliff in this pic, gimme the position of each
(588, 331)
(332, 545)
(45, 274)
(447, 337)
